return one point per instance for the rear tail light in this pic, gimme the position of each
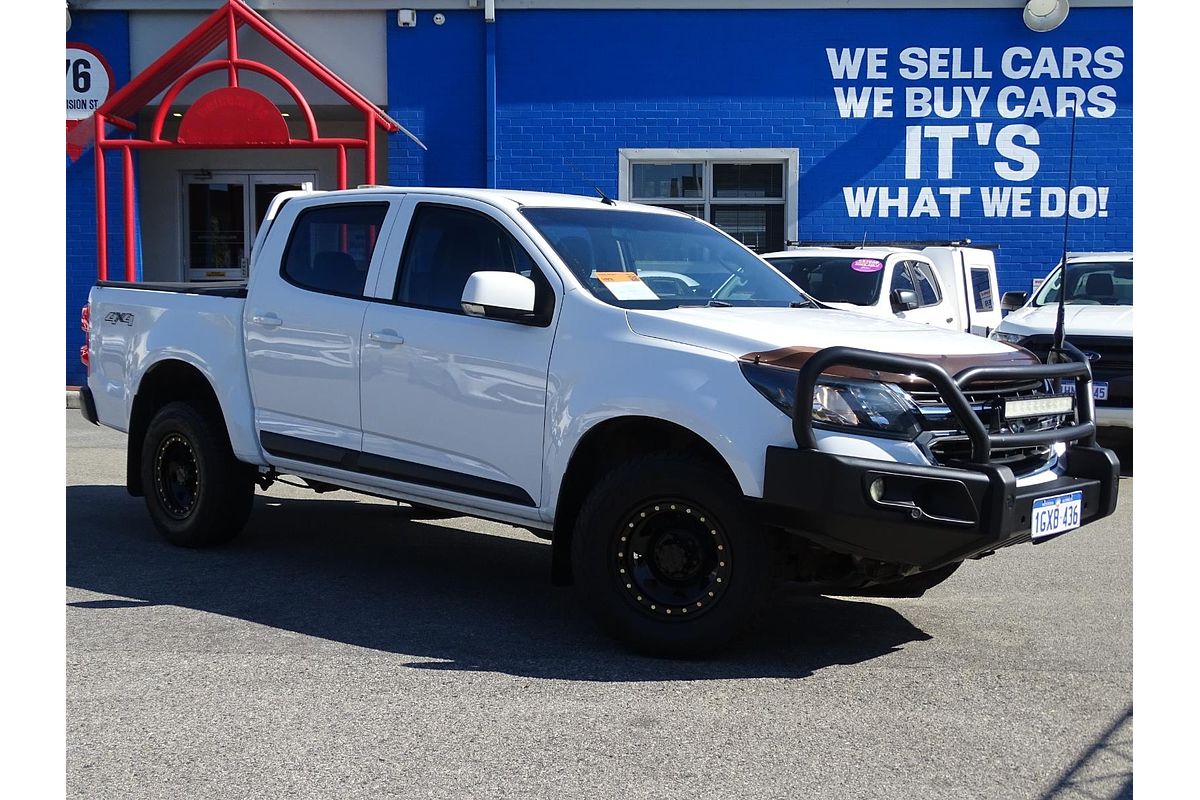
(85, 323)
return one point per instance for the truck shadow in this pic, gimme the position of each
(361, 574)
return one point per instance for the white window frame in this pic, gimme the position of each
(789, 157)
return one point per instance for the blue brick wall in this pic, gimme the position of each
(576, 86)
(107, 32)
(435, 89)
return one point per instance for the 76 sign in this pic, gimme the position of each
(88, 81)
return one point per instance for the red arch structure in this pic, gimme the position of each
(229, 117)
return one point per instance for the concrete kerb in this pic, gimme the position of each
(72, 397)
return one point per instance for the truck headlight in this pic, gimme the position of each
(1008, 338)
(869, 407)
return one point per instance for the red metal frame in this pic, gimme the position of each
(177, 68)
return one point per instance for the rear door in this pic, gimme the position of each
(303, 323)
(450, 401)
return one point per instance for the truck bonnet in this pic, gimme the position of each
(746, 332)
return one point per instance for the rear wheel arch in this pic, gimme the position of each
(165, 382)
(607, 445)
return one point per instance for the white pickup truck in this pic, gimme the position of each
(499, 354)
(1098, 319)
(948, 285)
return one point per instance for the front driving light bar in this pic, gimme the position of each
(1038, 407)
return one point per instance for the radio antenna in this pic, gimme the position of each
(1060, 329)
(604, 198)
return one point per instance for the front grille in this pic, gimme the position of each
(946, 444)
(1113, 363)
(952, 450)
(980, 393)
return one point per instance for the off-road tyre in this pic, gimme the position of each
(667, 558)
(198, 494)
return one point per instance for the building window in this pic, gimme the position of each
(748, 193)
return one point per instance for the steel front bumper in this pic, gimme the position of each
(928, 516)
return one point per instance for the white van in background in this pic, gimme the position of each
(947, 285)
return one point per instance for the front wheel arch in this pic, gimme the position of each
(606, 446)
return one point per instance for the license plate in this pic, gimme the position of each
(1099, 389)
(1056, 514)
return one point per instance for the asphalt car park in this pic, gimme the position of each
(341, 649)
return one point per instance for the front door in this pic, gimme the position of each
(221, 215)
(449, 401)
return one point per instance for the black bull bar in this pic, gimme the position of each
(932, 515)
(951, 389)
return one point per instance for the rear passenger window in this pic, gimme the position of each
(981, 288)
(331, 246)
(927, 285)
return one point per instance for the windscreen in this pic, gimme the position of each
(635, 259)
(835, 279)
(1091, 283)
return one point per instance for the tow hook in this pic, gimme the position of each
(265, 478)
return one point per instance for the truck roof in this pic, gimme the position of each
(506, 198)
(1109, 256)
(843, 252)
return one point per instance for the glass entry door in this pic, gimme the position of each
(221, 215)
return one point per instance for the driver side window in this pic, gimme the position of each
(446, 244)
(928, 288)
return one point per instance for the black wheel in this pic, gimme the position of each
(197, 493)
(666, 558)
(912, 586)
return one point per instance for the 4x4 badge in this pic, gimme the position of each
(114, 317)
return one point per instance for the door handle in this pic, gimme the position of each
(387, 336)
(267, 320)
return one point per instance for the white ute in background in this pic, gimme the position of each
(1098, 320)
(949, 286)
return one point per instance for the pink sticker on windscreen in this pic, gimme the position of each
(866, 265)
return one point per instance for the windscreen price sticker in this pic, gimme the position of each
(626, 286)
(89, 81)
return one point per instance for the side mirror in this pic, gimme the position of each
(499, 295)
(1011, 301)
(904, 300)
